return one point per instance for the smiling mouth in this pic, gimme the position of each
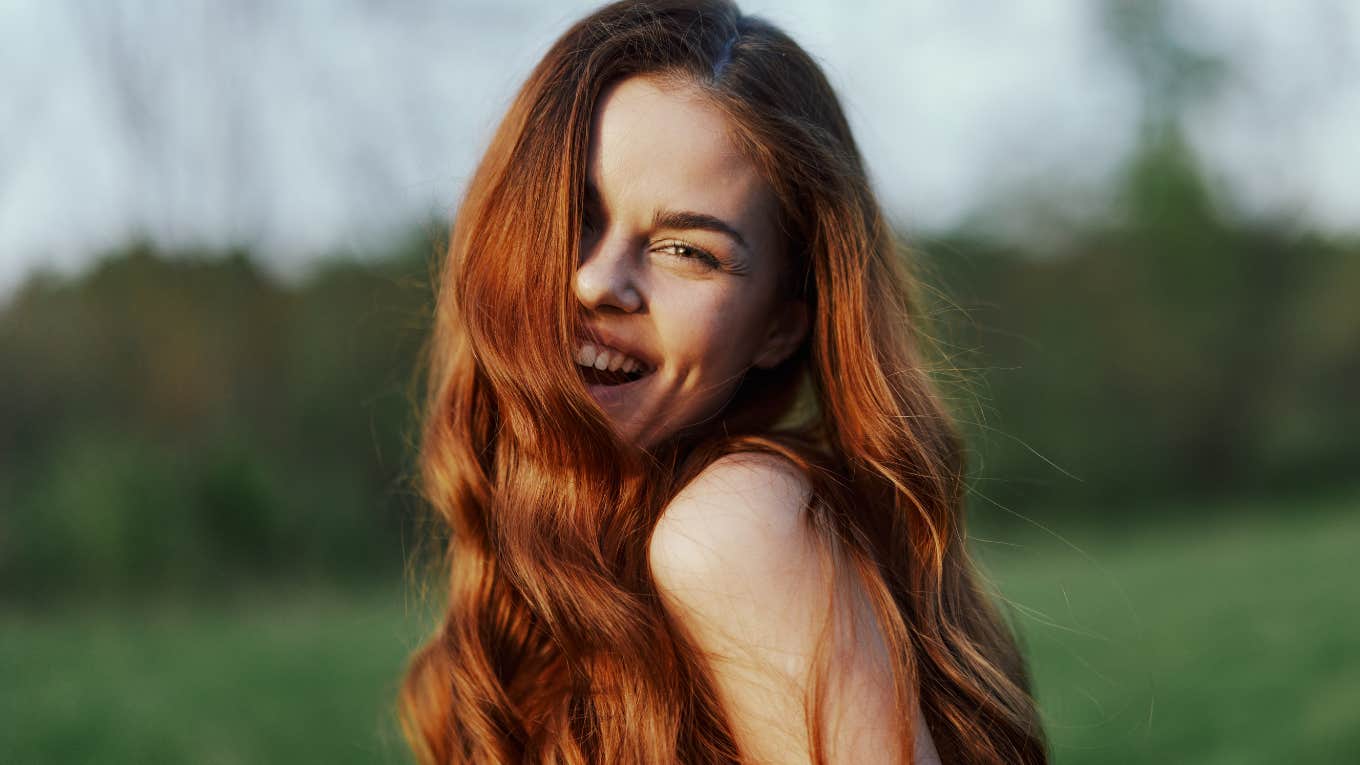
(602, 366)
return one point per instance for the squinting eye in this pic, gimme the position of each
(687, 252)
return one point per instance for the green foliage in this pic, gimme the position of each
(180, 422)
(1172, 352)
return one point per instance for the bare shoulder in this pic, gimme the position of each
(743, 515)
(741, 570)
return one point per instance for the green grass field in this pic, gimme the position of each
(283, 679)
(1223, 638)
(1228, 636)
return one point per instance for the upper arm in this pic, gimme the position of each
(739, 568)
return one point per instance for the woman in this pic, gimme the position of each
(702, 503)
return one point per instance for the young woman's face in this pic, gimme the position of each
(680, 261)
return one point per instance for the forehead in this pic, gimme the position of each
(660, 144)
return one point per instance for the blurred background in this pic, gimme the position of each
(1138, 223)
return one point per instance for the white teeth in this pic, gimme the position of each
(591, 355)
(585, 355)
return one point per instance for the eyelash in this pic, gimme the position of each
(702, 255)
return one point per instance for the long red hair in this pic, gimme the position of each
(553, 645)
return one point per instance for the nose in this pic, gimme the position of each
(607, 277)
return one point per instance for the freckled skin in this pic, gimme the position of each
(656, 145)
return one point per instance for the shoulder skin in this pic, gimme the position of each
(739, 568)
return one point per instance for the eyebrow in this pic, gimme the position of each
(682, 220)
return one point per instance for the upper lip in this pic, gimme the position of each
(602, 336)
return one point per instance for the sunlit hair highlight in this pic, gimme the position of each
(552, 644)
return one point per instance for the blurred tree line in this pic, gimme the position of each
(1171, 352)
(181, 422)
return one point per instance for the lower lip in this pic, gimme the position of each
(614, 394)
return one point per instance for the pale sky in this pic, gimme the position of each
(309, 128)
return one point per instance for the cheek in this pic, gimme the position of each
(711, 330)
